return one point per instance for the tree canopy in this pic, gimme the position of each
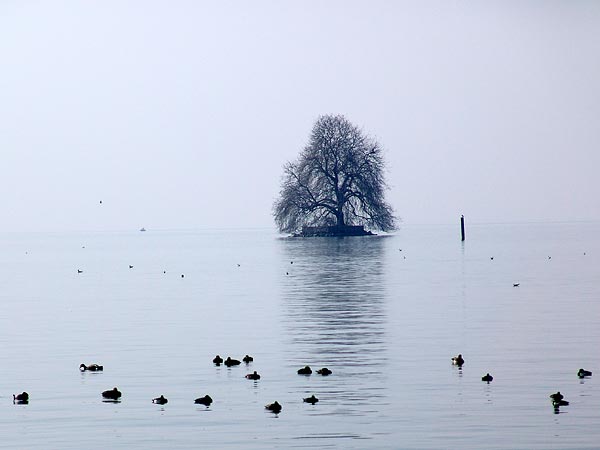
(338, 179)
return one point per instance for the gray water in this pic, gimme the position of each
(384, 313)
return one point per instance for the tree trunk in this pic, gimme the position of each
(340, 218)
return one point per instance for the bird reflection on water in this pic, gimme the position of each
(334, 310)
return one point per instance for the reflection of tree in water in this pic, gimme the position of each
(333, 301)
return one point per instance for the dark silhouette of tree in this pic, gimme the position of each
(338, 180)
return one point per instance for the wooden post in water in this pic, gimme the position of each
(462, 227)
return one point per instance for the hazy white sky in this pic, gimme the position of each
(181, 114)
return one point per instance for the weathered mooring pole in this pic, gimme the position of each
(462, 227)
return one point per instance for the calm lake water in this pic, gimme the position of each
(384, 313)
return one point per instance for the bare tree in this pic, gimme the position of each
(337, 180)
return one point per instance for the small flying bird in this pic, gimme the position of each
(79, 271)
(130, 266)
(516, 284)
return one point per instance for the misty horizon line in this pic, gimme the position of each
(273, 228)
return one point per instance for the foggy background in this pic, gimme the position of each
(181, 114)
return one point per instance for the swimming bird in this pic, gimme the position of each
(324, 371)
(312, 399)
(557, 403)
(21, 399)
(160, 400)
(206, 400)
(274, 407)
(516, 284)
(182, 275)
(91, 368)
(247, 359)
(557, 397)
(582, 373)
(253, 376)
(218, 360)
(487, 378)
(231, 362)
(305, 371)
(491, 258)
(113, 394)
(291, 262)
(458, 360)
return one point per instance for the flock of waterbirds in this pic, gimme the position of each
(114, 395)
(558, 399)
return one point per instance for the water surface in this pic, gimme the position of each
(385, 313)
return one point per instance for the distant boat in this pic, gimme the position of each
(142, 229)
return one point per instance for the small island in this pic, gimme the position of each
(333, 231)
